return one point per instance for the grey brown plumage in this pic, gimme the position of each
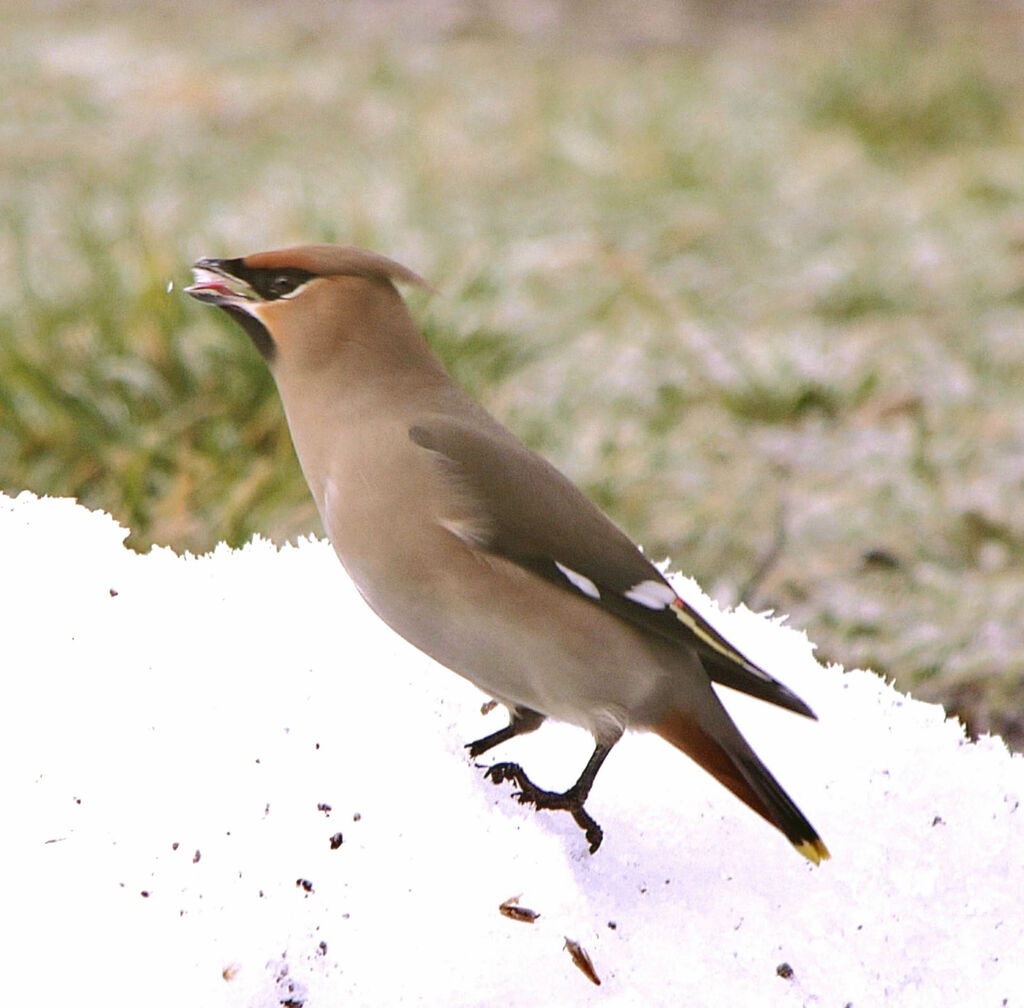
(476, 549)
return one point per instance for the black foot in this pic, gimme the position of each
(522, 721)
(570, 801)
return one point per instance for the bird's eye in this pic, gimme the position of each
(282, 285)
(271, 284)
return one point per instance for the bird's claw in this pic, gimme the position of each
(501, 772)
(529, 794)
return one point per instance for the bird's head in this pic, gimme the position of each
(303, 301)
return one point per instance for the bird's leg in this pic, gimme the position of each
(521, 721)
(571, 801)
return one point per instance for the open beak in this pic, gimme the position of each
(215, 285)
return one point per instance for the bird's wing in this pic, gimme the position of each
(516, 505)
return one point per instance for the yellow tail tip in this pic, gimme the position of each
(814, 850)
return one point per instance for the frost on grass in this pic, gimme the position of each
(188, 736)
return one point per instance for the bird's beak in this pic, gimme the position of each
(215, 284)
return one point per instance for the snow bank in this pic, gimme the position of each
(225, 783)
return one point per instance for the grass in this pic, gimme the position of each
(757, 285)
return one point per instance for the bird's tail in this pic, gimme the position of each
(739, 769)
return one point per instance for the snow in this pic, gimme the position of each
(175, 728)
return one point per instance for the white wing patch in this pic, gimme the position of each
(652, 594)
(580, 581)
(471, 532)
(658, 595)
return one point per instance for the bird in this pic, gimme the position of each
(477, 550)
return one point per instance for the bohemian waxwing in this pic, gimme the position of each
(475, 549)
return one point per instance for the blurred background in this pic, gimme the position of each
(752, 273)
